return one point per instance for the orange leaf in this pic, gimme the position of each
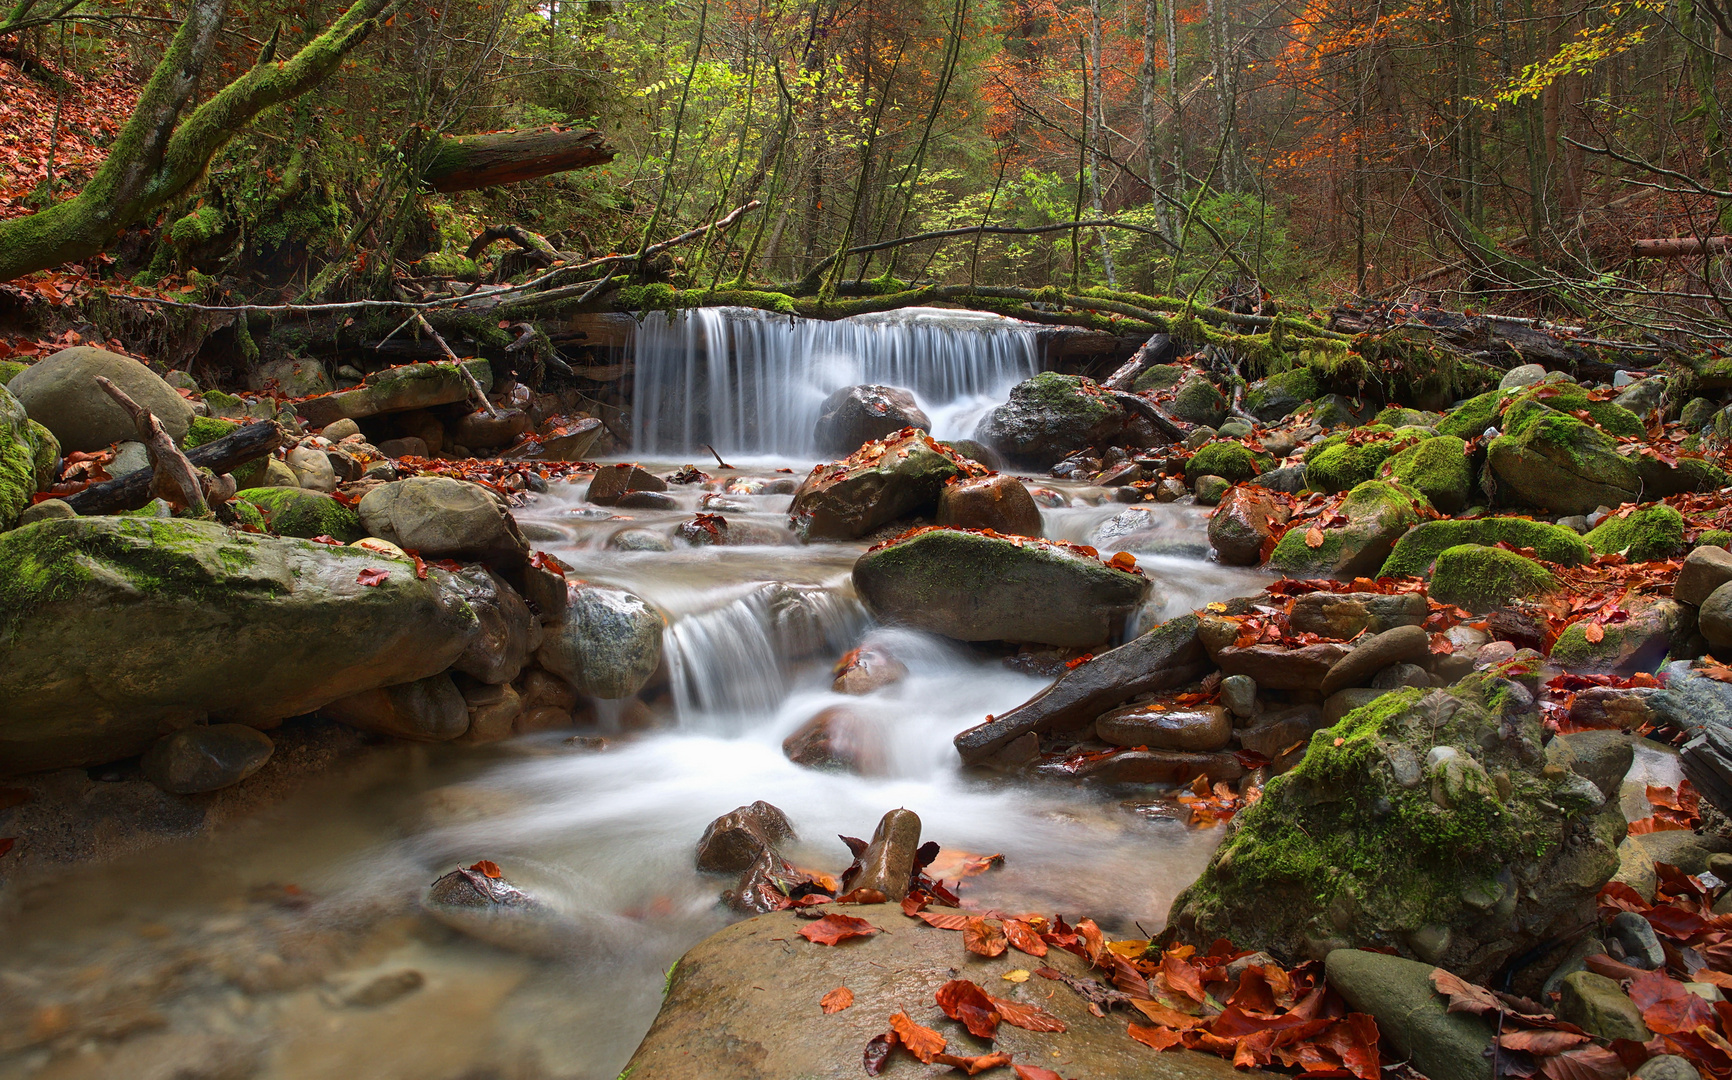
(1594, 632)
(1159, 1038)
(1026, 1017)
(963, 1001)
(1166, 1017)
(836, 1000)
(1023, 938)
(372, 577)
(834, 928)
(984, 937)
(924, 1043)
(1035, 1072)
(945, 920)
(487, 869)
(1094, 942)
(972, 1065)
(1314, 537)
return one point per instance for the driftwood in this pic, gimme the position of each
(1503, 342)
(467, 162)
(221, 456)
(1154, 414)
(1157, 350)
(475, 390)
(1679, 247)
(172, 475)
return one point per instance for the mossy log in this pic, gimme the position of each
(133, 490)
(467, 162)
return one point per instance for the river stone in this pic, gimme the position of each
(205, 758)
(1377, 513)
(293, 511)
(1239, 693)
(999, 503)
(1561, 464)
(639, 540)
(397, 389)
(868, 668)
(614, 482)
(478, 431)
(426, 710)
(18, 479)
(1049, 417)
(1666, 1067)
(609, 644)
(1160, 767)
(1688, 851)
(732, 842)
(60, 393)
(497, 911)
(1705, 569)
(1411, 1014)
(1498, 852)
(1274, 397)
(292, 378)
(839, 739)
(1275, 733)
(129, 457)
(874, 486)
(262, 628)
(715, 1014)
(1599, 1006)
(1242, 524)
(855, 415)
(500, 648)
(1207, 728)
(442, 518)
(1402, 644)
(1655, 628)
(1277, 667)
(1331, 615)
(974, 587)
(46, 510)
(1197, 401)
(1521, 375)
(887, 864)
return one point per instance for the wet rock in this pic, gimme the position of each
(426, 710)
(868, 668)
(397, 389)
(1705, 569)
(1666, 1067)
(732, 842)
(1377, 515)
(479, 431)
(1438, 468)
(1050, 416)
(1604, 757)
(1656, 627)
(1276, 667)
(1243, 525)
(1453, 779)
(1148, 532)
(1612, 707)
(338, 431)
(974, 587)
(870, 489)
(1404, 643)
(1196, 401)
(1161, 728)
(1160, 767)
(837, 739)
(1288, 479)
(999, 503)
(856, 415)
(291, 378)
(639, 540)
(1211, 489)
(501, 647)
(60, 393)
(492, 909)
(1416, 1020)
(887, 864)
(407, 446)
(1239, 693)
(609, 644)
(85, 680)
(647, 500)
(493, 710)
(205, 758)
(1332, 615)
(1342, 702)
(46, 510)
(443, 519)
(381, 989)
(613, 482)
(806, 620)
(1396, 676)
(1277, 732)
(1561, 464)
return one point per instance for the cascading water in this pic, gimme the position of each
(750, 382)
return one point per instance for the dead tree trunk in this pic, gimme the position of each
(467, 162)
(224, 455)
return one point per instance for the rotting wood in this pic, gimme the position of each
(172, 475)
(220, 456)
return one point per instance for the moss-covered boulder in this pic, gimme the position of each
(1378, 515)
(208, 429)
(1198, 402)
(876, 485)
(1482, 578)
(1330, 411)
(1227, 459)
(1159, 377)
(18, 465)
(1678, 476)
(1558, 463)
(1649, 532)
(304, 513)
(46, 449)
(9, 368)
(1496, 855)
(1552, 543)
(398, 389)
(1344, 461)
(1397, 416)
(1437, 468)
(1502, 409)
(974, 587)
(1643, 634)
(1049, 417)
(1279, 394)
(258, 627)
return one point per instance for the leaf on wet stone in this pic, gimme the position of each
(1165, 1016)
(1020, 975)
(1587, 1063)
(862, 896)
(836, 1000)
(372, 577)
(924, 1043)
(1182, 978)
(1667, 1007)
(1155, 1037)
(1094, 942)
(944, 920)
(1463, 996)
(1035, 1072)
(967, 1003)
(488, 868)
(973, 1065)
(1541, 1043)
(984, 937)
(1026, 1017)
(1354, 1040)
(878, 1052)
(1023, 937)
(833, 928)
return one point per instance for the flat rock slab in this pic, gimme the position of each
(743, 1005)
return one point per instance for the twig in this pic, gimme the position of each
(474, 386)
(720, 464)
(167, 463)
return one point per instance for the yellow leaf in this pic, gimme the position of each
(1017, 976)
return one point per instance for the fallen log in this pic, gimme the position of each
(1154, 414)
(223, 455)
(1157, 350)
(172, 475)
(1679, 247)
(1167, 656)
(467, 162)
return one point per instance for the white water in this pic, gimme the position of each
(749, 382)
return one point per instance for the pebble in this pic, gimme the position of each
(1641, 945)
(1239, 693)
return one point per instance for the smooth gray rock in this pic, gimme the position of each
(1705, 569)
(206, 758)
(1399, 645)
(1641, 944)
(61, 394)
(609, 644)
(1411, 1014)
(1666, 1067)
(443, 518)
(500, 648)
(1239, 693)
(1598, 1005)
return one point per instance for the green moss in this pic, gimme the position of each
(199, 227)
(1377, 513)
(447, 264)
(1470, 419)
(1415, 552)
(207, 429)
(303, 513)
(1655, 531)
(1438, 468)
(1281, 393)
(9, 368)
(1481, 578)
(248, 514)
(45, 450)
(1198, 402)
(1226, 459)
(1715, 538)
(1511, 411)
(1396, 416)
(1159, 377)
(1342, 462)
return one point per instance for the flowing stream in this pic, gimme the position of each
(243, 955)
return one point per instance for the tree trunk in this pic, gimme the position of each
(467, 162)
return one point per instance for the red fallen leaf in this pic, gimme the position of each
(914, 903)
(1542, 1043)
(1464, 996)
(1586, 1063)
(924, 1043)
(420, 567)
(372, 577)
(1023, 938)
(1026, 1017)
(7, 843)
(972, 1065)
(1093, 941)
(1166, 1017)
(1035, 1072)
(1667, 1007)
(1354, 1041)
(328, 540)
(834, 927)
(878, 1052)
(984, 937)
(944, 920)
(487, 868)
(1314, 537)
(836, 1000)
(1124, 560)
(1158, 1038)
(1594, 632)
(1079, 661)
(862, 896)
(1675, 922)
(963, 1001)
(1182, 978)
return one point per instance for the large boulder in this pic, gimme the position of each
(398, 389)
(999, 503)
(1049, 417)
(1279, 394)
(1438, 468)
(299, 512)
(500, 648)
(1415, 552)
(974, 587)
(61, 394)
(1498, 852)
(1481, 578)
(1378, 514)
(1655, 531)
(442, 518)
(18, 473)
(872, 487)
(609, 644)
(1558, 463)
(118, 630)
(1197, 401)
(1411, 1014)
(1344, 461)
(1243, 524)
(855, 415)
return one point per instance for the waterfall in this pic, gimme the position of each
(751, 382)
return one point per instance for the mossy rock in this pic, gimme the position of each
(1455, 781)
(223, 405)
(1396, 416)
(1715, 538)
(1378, 515)
(208, 429)
(1649, 532)
(1159, 377)
(1049, 417)
(447, 264)
(1482, 578)
(1653, 630)
(1343, 462)
(249, 515)
(1681, 476)
(1438, 468)
(47, 454)
(1227, 459)
(1330, 411)
(1504, 410)
(199, 227)
(1280, 394)
(1422, 545)
(1696, 414)
(1561, 464)
(303, 513)
(18, 464)
(1198, 402)
(9, 368)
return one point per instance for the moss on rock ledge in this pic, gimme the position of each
(1650, 532)
(1416, 551)
(1481, 578)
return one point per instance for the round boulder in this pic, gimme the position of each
(1161, 728)
(61, 394)
(206, 758)
(426, 710)
(999, 503)
(855, 415)
(1049, 416)
(442, 518)
(609, 644)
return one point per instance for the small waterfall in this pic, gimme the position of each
(751, 382)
